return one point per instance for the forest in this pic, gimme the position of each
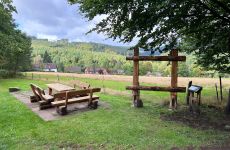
(64, 53)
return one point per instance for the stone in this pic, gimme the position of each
(14, 89)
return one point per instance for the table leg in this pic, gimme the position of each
(50, 91)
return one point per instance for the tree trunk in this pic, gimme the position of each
(15, 67)
(227, 110)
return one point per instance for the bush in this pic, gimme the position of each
(4, 73)
(9, 74)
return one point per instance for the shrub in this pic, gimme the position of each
(4, 73)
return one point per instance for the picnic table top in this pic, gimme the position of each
(59, 87)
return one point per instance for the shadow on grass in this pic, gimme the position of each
(210, 118)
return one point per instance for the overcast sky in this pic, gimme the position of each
(56, 19)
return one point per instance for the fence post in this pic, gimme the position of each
(188, 94)
(227, 110)
(217, 95)
(221, 94)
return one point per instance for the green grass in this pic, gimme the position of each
(208, 92)
(117, 127)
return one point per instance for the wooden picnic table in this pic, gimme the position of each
(59, 87)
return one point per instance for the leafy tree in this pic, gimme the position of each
(15, 46)
(61, 67)
(202, 24)
(145, 67)
(128, 68)
(37, 59)
(47, 58)
(106, 59)
(183, 70)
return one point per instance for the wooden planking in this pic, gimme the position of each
(74, 93)
(74, 100)
(59, 87)
(156, 58)
(60, 95)
(80, 92)
(35, 92)
(47, 97)
(157, 88)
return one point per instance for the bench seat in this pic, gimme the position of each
(47, 97)
(74, 100)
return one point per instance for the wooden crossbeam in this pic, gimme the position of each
(74, 100)
(157, 88)
(156, 58)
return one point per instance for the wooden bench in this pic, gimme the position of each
(77, 96)
(46, 99)
(35, 97)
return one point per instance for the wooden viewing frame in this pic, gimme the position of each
(173, 89)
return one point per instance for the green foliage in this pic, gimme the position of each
(47, 58)
(202, 25)
(15, 46)
(84, 55)
(4, 73)
(79, 54)
(145, 67)
(61, 67)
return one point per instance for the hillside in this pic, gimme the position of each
(81, 54)
(95, 47)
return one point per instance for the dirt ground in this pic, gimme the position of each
(210, 118)
(182, 81)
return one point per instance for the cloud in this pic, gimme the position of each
(56, 19)
(50, 37)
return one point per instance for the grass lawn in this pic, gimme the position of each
(208, 92)
(118, 127)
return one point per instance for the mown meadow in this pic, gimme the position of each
(119, 126)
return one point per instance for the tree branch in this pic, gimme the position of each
(214, 12)
(222, 5)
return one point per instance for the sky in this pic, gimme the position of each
(56, 19)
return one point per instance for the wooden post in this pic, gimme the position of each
(157, 58)
(157, 88)
(221, 94)
(217, 95)
(136, 93)
(188, 93)
(174, 76)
